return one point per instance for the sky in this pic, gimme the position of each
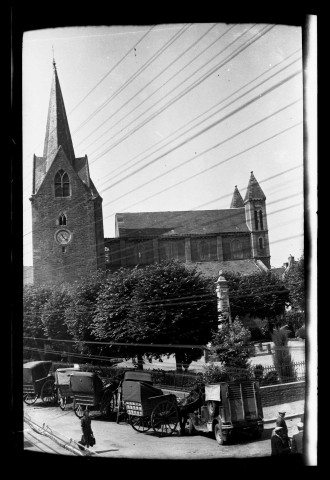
(173, 116)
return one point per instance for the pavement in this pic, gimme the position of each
(63, 427)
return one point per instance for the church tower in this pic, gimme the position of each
(256, 220)
(67, 219)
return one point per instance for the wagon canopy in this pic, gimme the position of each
(33, 371)
(138, 377)
(133, 391)
(85, 382)
(62, 375)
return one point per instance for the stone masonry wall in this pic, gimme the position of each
(283, 393)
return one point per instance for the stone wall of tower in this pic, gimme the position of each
(258, 252)
(51, 264)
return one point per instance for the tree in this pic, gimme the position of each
(260, 294)
(294, 280)
(231, 346)
(80, 312)
(163, 303)
(34, 299)
(282, 358)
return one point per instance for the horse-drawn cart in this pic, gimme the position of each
(37, 381)
(147, 406)
(89, 392)
(229, 407)
(62, 385)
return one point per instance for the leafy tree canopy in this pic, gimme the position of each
(294, 280)
(163, 303)
(260, 294)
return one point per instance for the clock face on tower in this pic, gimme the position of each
(63, 236)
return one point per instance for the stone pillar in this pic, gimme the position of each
(223, 300)
(155, 249)
(187, 247)
(123, 253)
(219, 248)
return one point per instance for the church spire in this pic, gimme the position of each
(57, 130)
(254, 191)
(237, 200)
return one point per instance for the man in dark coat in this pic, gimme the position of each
(278, 444)
(297, 444)
(280, 422)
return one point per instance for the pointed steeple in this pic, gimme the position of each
(254, 191)
(237, 200)
(57, 130)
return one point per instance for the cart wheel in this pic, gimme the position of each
(30, 398)
(78, 410)
(61, 400)
(140, 424)
(165, 417)
(220, 437)
(107, 404)
(48, 393)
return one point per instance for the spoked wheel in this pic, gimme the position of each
(220, 437)
(107, 405)
(78, 410)
(30, 398)
(165, 417)
(61, 400)
(140, 424)
(48, 393)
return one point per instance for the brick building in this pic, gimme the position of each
(67, 221)
(233, 239)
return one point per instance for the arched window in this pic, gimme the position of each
(62, 184)
(256, 223)
(62, 219)
(260, 220)
(236, 250)
(261, 243)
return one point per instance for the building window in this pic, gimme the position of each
(236, 250)
(62, 184)
(256, 223)
(62, 219)
(260, 220)
(204, 249)
(63, 249)
(261, 243)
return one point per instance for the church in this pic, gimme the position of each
(67, 220)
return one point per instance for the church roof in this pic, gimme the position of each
(181, 222)
(210, 269)
(58, 137)
(57, 130)
(237, 200)
(254, 191)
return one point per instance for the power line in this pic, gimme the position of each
(209, 168)
(161, 86)
(185, 92)
(202, 114)
(140, 70)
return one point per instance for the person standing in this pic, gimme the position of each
(297, 444)
(280, 422)
(86, 427)
(278, 443)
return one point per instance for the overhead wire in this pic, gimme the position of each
(204, 77)
(214, 124)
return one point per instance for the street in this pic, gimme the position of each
(122, 441)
